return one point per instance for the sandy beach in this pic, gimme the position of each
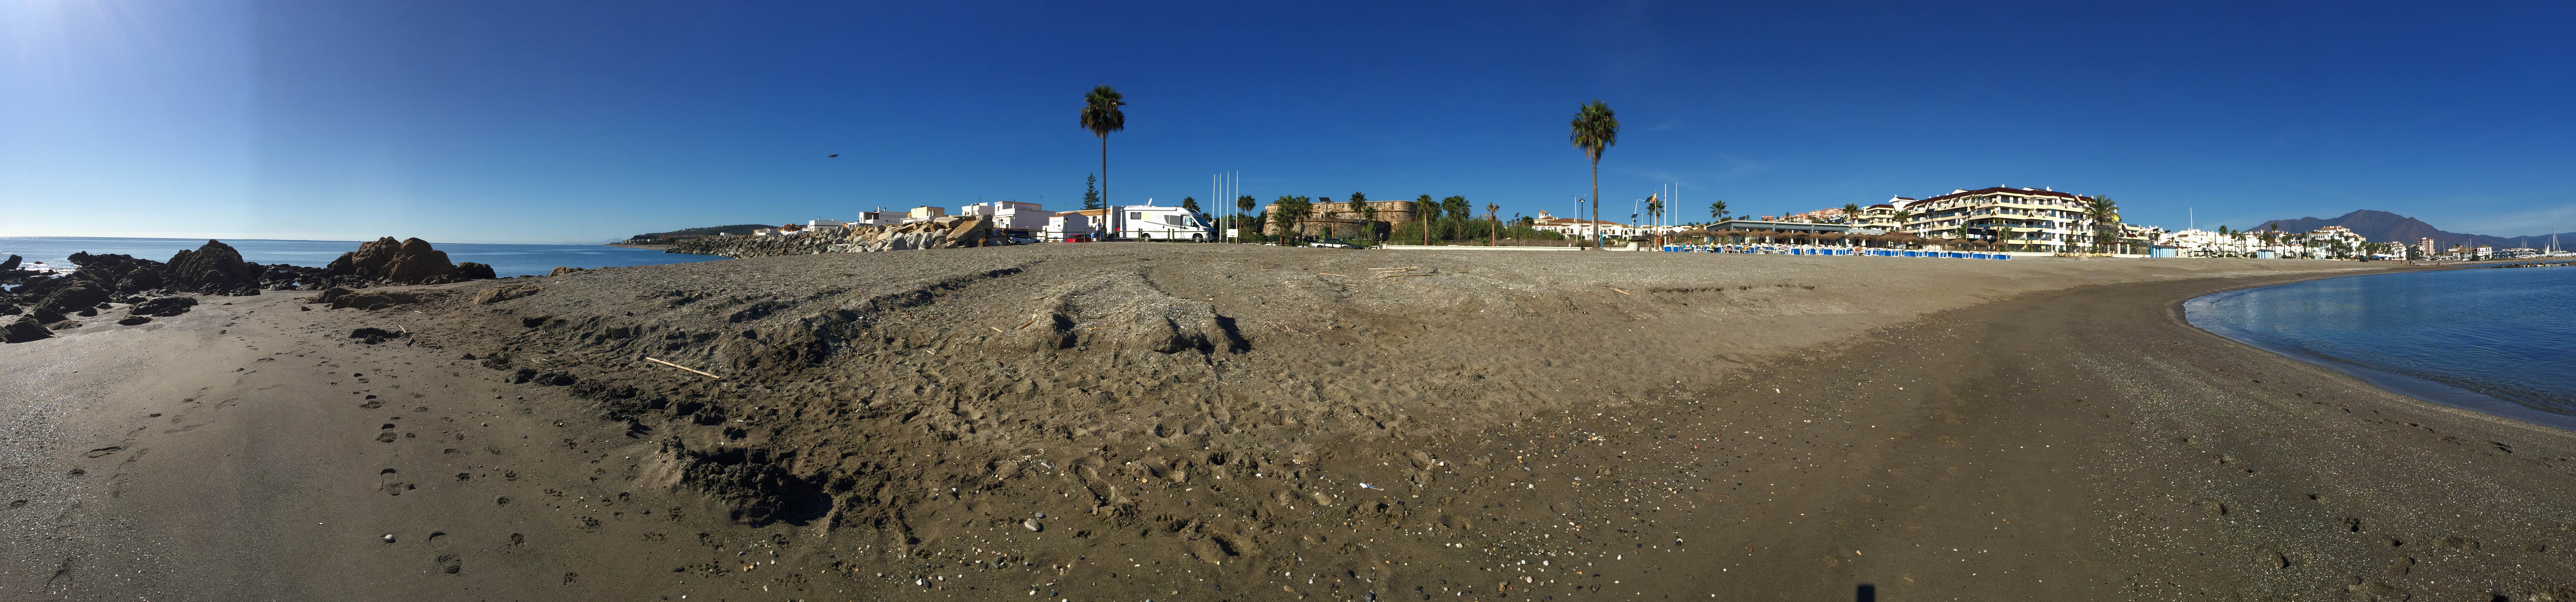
(1203, 422)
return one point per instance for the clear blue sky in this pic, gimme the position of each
(585, 121)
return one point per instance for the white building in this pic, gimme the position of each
(924, 213)
(879, 218)
(1584, 228)
(1070, 225)
(1011, 215)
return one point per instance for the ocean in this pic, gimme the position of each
(2499, 341)
(506, 260)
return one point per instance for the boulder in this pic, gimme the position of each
(20, 329)
(72, 297)
(213, 268)
(10, 264)
(416, 263)
(503, 293)
(474, 271)
(561, 270)
(134, 320)
(369, 260)
(410, 261)
(112, 272)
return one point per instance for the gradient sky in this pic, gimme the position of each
(461, 121)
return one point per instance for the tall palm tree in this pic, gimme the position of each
(1242, 204)
(1100, 114)
(1717, 211)
(2105, 215)
(1492, 215)
(1594, 129)
(1851, 213)
(1425, 210)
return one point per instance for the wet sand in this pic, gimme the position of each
(1575, 426)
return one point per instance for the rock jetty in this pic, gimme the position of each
(943, 233)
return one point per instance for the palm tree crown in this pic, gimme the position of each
(1101, 115)
(1717, 211)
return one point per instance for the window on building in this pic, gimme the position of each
(1135, 215)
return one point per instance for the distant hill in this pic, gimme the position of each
(2382, 226)
(736, 230)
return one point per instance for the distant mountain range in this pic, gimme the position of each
(2382, 226)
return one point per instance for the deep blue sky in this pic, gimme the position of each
(567, 121)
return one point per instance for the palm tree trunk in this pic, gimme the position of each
(1596, 204)
(1104, 172)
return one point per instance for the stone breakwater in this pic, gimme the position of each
(943, 233)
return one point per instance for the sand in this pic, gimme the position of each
(1197, 421)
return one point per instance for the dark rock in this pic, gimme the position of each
(74, 296)
(163, 306)
(10, 264)
(9, 309)
(86, 312)
(369, 260)
(22, 329)
(416, 263)
(214, 268)
(410, 261)
(372, 335)
(135, 320)
(474, 271)
(115, 273)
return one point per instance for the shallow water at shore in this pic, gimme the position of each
(506, 260)
(2495, 341)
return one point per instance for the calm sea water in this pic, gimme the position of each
(506, 260)
(2500, 341)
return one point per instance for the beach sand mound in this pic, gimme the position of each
(899, 393)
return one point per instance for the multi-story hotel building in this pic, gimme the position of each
(2022, 219)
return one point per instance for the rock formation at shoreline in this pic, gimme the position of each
(410, 261)
(214, 268)
(943, 233)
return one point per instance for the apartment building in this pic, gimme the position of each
(2025, 220)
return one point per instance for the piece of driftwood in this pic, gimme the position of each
(699, 372)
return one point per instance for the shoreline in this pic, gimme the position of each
(2419, 388)
(2071, 441)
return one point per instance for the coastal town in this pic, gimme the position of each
(1997, 222)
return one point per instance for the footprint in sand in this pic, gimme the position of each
(104, 451)
(450, 564)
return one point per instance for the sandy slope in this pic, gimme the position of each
(1194, 422)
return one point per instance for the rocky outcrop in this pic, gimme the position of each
(474, 271)
(943, 233)
(410, 261)
(70, 298)
(20, 329)
(561, 270)
(10, 264)
(503, 293)
(214, 268)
